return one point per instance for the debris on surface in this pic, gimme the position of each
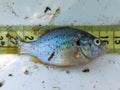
(1, 84)
(43, 81)
(10, 75)
(47, 9)
(94, 86)
(58, 10)
(26, 72)
(10, 8)
(57, 88)
(86, 70)
(14, 13)
(26, 17)
(67, 71)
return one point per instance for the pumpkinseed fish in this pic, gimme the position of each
(64, 46)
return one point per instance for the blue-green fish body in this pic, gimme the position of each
(64, 47)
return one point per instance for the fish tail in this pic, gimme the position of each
(20, 47)
(23, 47)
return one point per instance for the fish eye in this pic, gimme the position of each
(97, 42)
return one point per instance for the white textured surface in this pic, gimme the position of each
(81, 12)
(104, 75)
(104, 72)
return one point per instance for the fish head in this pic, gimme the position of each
(91, 47)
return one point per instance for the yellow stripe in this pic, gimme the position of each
(109, 33)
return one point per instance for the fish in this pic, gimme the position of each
(64, 46)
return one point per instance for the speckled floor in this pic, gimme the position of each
(18, 72)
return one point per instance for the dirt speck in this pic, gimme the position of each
(43, 81)
(94, 86)
(67, 71)
(26, 17)
(10, 75)
(47, 9)
(97, 0)
(75, 21)
(96, 81)
(14, 13)
(26, 72)
(57, 88)
(1, 84)
(47, 67)
(86, 70)
(13, 3)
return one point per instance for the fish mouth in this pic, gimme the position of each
(104, 48)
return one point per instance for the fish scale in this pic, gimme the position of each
(60, 41)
